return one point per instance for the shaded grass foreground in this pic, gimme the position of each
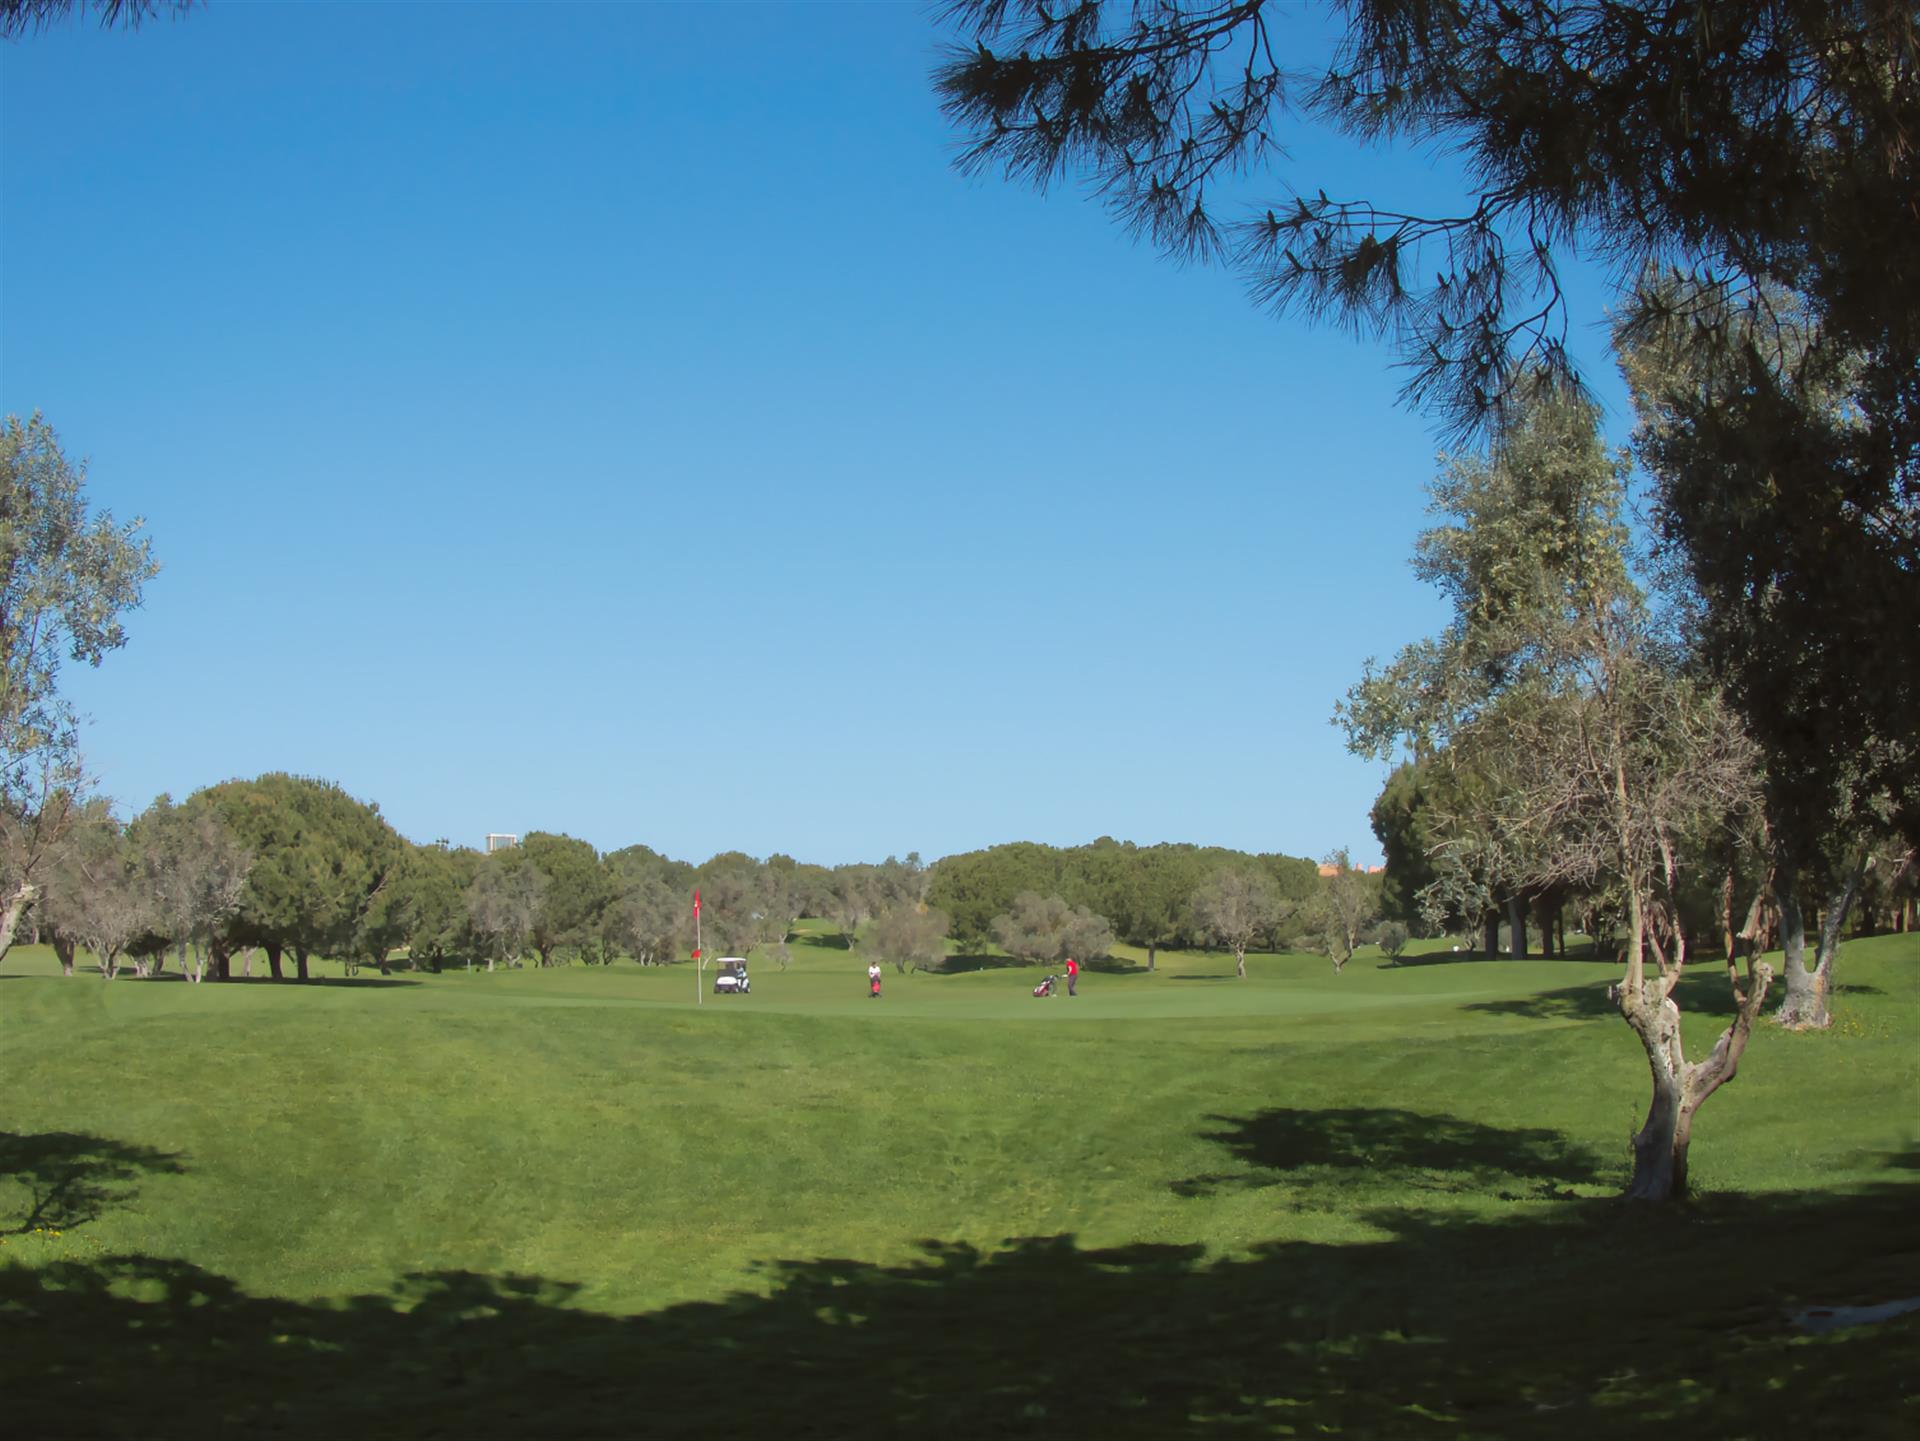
(1589, 1319)
(1370, 1205)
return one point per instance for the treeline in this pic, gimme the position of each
(287, 868)
(1725, 897)
(281, 870)
(1045, 902)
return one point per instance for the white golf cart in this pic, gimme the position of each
(731, 978)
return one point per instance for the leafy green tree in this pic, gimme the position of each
(850, 900)
(1046, 928)
(1767, 143)
(649, 919)
(1606, 761)
(1799, 538)
(1086, 936)
(67, 577)
(908, 935)
(320, 860)
(574, 891)
(95, 894)
(1392, 939)
(974, 887)
(783, 896)
(502, 900)
(428, 893)
(196, 872)
(650, 914)
(1403, 825)
(1237, 907)
(1347, 902)
(22, 17)
(1154, 906)
(1031, 929)
(730, 892)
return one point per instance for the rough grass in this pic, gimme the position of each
(1378, 1203)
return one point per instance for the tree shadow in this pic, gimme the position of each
(1703, 991)
(66, 1179)
(1382, 1146)
(1572, 1003)
(1581, 951)
(821, 941)
(1578, 1319)
(963, 965)
(1207, 976)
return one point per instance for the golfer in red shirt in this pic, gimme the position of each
(1073, 974)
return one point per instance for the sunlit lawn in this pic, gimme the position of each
(1377, 1201)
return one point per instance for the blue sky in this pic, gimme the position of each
(624, 421)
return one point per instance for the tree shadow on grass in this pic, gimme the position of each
(335, 983)
(1572, 1003)
(1381, 1146)
(1579, 1319)
(962, 965)
(1703, 991)
(59, 1180)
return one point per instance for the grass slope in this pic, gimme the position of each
(1376, 1203)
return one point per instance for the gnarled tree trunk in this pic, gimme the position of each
(1804, 1006)
(10, 913)
(64, 948)
(1680, 1087)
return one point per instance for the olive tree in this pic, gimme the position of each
(1609, 761)
(67, 577)
(196, 872)
(1236, 908)
(908, 935)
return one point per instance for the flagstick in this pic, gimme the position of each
(700, 956)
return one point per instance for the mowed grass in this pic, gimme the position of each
(1378, 1203)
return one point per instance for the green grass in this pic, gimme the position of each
(1378, 1203)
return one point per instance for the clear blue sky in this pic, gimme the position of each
(624, 421)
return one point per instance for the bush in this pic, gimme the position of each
(1392, 939)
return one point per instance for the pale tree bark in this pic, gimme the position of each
(1680, 1087)
(1805, 1005)
(16, 905)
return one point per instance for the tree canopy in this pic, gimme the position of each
(67, 577)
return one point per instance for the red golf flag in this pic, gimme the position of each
(696, 902)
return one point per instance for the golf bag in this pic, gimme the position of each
(1045, 988)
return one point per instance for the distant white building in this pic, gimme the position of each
(500, 841)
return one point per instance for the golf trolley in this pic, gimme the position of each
(1045, 988)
